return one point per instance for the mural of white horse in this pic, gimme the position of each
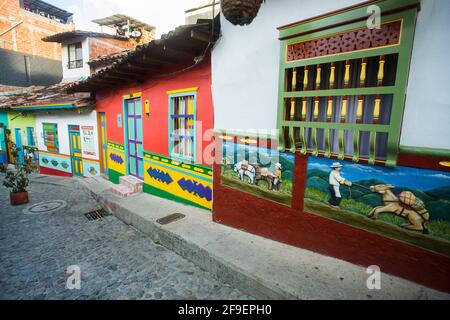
(245, 169)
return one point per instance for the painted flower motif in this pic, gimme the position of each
(55, 163)
(45, 160)
(92, 171)
(65, 165)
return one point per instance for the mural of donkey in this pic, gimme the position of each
(245, 169)
(263, 174)
(407, 206)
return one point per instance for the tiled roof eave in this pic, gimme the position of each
(179, 36)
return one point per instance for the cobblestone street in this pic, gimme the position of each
(116, 261)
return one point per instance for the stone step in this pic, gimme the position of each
(132, 183)
(122, 191)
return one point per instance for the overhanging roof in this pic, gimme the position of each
(50, 9)
(121, 20)
(175, 51)
(44, 98)
(69, 35)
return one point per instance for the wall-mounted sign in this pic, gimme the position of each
(119, 121)
(88, 140)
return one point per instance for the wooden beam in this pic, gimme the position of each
(116, 77)
(130, 73)
(186, 55)
(103, 82)
(138, 66)
(200, 36)
(131, 76)
(158, 61)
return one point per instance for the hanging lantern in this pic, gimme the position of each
(240, 12)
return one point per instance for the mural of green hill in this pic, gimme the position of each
(440, 193)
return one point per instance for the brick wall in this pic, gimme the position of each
(105, 46)
(26, 37)
(147, 36)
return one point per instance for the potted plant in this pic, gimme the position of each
(17, 180)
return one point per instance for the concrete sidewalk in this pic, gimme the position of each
(260, 267)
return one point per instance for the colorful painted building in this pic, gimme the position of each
(332, 131)
(156, 108)
(45, 123)
(60, 130)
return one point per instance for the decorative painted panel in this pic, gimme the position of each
(51, 136)
(187, 183)
(91, 168)
(260, 171)
(116, 158)
(55, 161)
(408, 204)
(359, 39)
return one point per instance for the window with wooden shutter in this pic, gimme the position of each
(182, 125)
(51, 137)
(343, 85)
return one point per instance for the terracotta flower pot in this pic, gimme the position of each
(18, 198)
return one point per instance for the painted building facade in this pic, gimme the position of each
(60, 130)
(38, 122)
(74, 150)
(160, 130)
(341, 99)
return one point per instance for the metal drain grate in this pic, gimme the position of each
(96, 215)
(171, 218)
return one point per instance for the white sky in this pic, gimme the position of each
(165, 15)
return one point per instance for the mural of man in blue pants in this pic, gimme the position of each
(335, 183)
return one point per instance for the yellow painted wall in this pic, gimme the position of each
(16, 120)
(183, 181)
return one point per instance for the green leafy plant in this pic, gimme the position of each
(17, 180)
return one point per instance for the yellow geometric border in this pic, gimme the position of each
(132, 95)
(182, 90)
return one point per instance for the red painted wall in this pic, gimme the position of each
(52, 172)
(155, 128)
(293, 226)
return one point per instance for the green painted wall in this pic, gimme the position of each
(114, 176)
(16, 120)
(163, 194)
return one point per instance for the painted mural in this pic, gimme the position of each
(182, 182)
(405, 203)
(91, 168)
(116, 161)
(55, 161)
(260, 171)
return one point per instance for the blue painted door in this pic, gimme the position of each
(76, 154)
(19, 144)
(135, 145)
(3, 148)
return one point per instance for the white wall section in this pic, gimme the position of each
(245, 70)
